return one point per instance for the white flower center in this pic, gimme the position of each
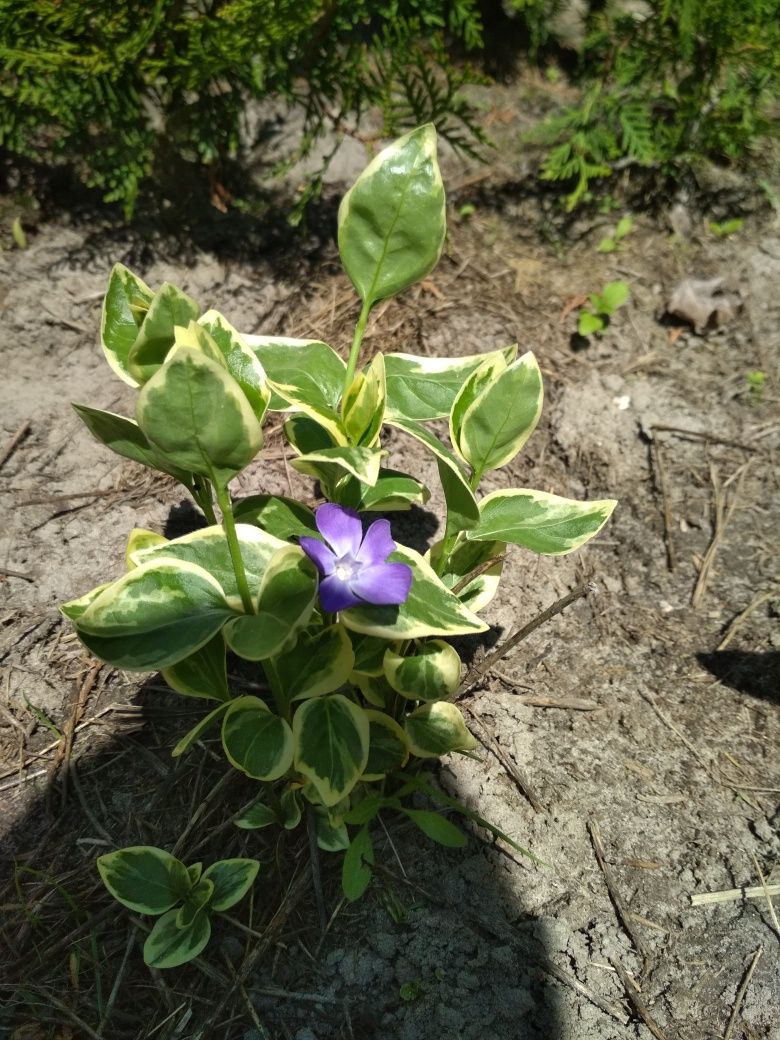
(346, 568)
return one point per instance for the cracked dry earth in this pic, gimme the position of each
(618, 725)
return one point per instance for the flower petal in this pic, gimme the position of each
(377, 544)
(340, 527)
(336, 595)
(383, 584)
(319, 553)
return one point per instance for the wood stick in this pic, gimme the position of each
(741, 993)
(623, 912)
(723, 512)
(702, 435)
(660, 471)
(520, 634)
(639, 1006)
(491, 743)
(14, 442)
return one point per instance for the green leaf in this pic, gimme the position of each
(199, 895)
(169, 307)
(375, 688)
(422, 388)
(306, 434)
(309, 370)
(462, 511)
(332, 464)
(208, 548)
(388, 748)
(256, 741)
(624, 226)
(614, 295)
(197, 731)
(290, 807)
(437, 728)
(241, 362)
(479, 380)
(124, 308)
(282, 517)
(193, 336)
(320, 662)
(232, 879)
(369, 653)
(502, 417)
(256, 816)
(125, 437)
(607, 245)
(138, 539)
(197, 415)
(144, 878)
(363, 406)
(430, 674)
(154, 616)
(543, 523)
(430, 609)
(392, 221)
(194, 870)
(168, 946)
(365, 811)
(331, 745)
(332, 836)
(356, 870)
(202, 674)
(589, 323)
(393, 491)
(466, 558)
(285, 603)
(76, 607)
(437, 828)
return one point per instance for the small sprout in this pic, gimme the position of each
(612, 242)
(727, 228)
(603, 305)
(411, 991)
(468, 209)
(756, 384)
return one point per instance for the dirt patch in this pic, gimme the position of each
(671, 750)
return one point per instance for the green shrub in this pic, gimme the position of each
(695, 79)
(113, 89)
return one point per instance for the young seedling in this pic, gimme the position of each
(602, 306)
(727, 228)
(349, 630)
(612, 242)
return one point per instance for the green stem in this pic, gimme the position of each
(354, 352)
(229, 524)
(201, 492)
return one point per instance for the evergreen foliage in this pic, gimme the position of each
(115, 88)
(691, 79)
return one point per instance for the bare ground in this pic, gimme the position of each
(642, 722)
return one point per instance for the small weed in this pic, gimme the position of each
(728, 227)
(612, 242)
(603, 305)
(468, 209)
(756, 384)
(411, 991)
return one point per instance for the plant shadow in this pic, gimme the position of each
(431, 950)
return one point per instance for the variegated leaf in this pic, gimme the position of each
(195, 412)
(388, 748)
(256, 741)
(125, 437)
(242, 363)
(467, 558)
(392, 492)
(124, 308)
(432, 673)
(430, 609)
(541, 522)
(363, 406)
(202, 674)
(320, 662)
(169, 307)
(333, 464)
(392, 221)
(312, 371)
(423, 388)
(331, 745)
(437, 728)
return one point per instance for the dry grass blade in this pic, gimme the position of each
(724, 509)
(635, 999)
(490, 742)
(622, 910)
(731, 895)
(660, 472)
(767, 895)
(741, 993)
(14, 443)
(740, 619)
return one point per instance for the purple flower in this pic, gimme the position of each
(353, 568)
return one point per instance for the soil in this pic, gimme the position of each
(663, 745)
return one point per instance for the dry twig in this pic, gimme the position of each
(14, 443)
(623, 912)
(639, 1006)
(741, 993)
(724, 508)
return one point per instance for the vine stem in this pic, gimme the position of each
(229, 525)
(201, 492)
(354, 352)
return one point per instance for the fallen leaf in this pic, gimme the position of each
(527, 271)
(675, 333)
(571, 305)
(699, 300)
(429, 286)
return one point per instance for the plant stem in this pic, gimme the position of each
(201, 492)
(354, 352)
(229, 525)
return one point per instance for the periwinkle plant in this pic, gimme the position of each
(348, 628)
